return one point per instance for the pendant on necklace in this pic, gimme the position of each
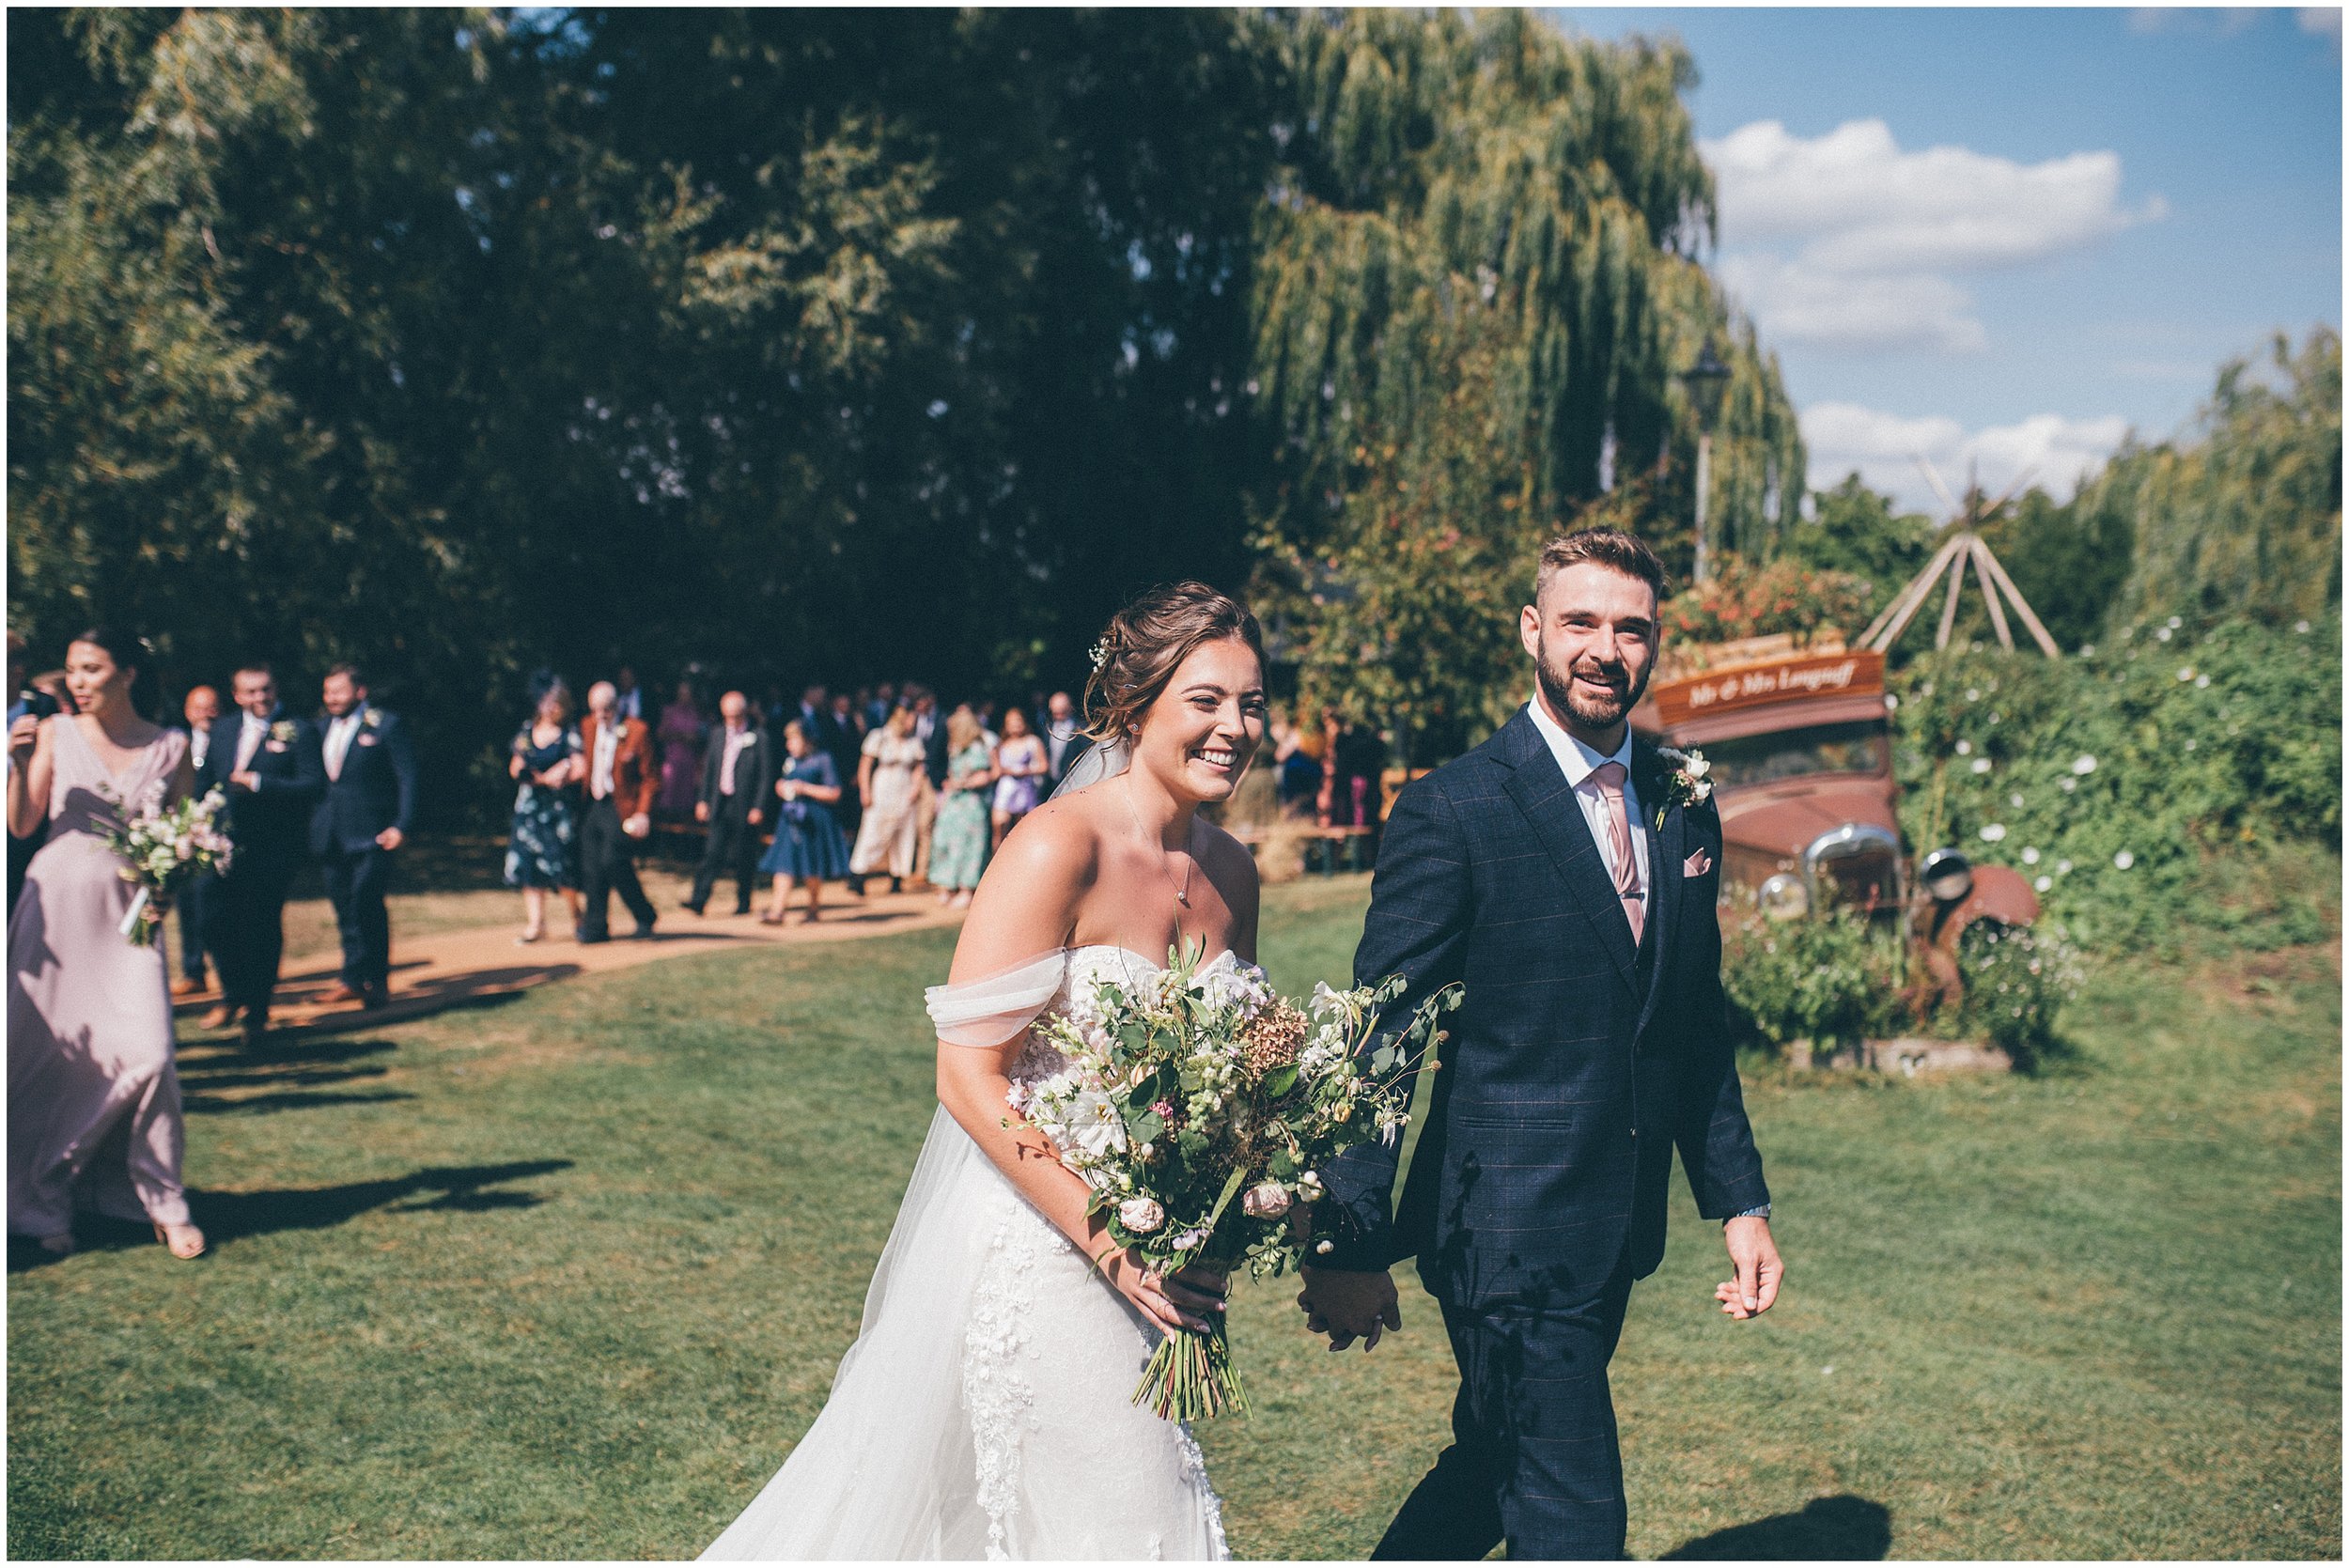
(1183, 898)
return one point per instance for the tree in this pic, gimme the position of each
(2244, 517)
(1854, 529)
(1476, 281)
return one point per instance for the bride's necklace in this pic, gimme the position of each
(1182, 888)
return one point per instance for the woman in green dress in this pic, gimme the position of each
(958, 840)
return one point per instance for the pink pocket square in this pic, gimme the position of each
(1699, 863)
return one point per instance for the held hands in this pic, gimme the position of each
(1754, 1258)
(21, 735)
(1172, 1301)
(637, 826)
(248, 780)
(1347, 1304)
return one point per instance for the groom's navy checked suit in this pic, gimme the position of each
(1576, 1065)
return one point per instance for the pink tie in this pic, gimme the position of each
(1608, 776)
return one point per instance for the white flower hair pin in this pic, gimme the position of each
(1101, 655)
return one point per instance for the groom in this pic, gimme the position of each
(1562, 872)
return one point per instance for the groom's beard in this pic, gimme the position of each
(1597, 713)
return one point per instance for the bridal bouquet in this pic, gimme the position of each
(163, 851)
(1201, 1108)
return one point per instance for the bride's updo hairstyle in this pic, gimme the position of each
(1147, 641)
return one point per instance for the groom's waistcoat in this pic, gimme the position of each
(1576, 1062)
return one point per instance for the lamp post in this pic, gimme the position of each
(1706, 381)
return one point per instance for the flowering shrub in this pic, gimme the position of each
(2112, 779)
(1745, 601)
(1830, 979)
(2016, 979)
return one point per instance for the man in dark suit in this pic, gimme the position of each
(360, 823)
(201, 710)
(1567, 874)
(622, 779)
(1064, 740)
(738, 771)
(266, 763)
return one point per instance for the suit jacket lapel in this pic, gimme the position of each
(1541, 792)
(1666, 846)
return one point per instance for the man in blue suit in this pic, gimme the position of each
(266, 764)
(1567, 875)
(360, 824)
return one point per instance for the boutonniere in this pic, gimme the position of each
(282, 730)
(1684, 779)
(370, 718)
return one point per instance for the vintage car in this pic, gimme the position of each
(1799, 748)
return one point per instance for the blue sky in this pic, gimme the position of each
(2006, 237)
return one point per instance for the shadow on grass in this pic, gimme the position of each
(289, 1076)
(227, 1217)
(1828, 1530)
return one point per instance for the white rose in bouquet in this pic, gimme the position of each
(1141, 1215)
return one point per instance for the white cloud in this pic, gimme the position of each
(1877, 228)
(1883, 447)
(2226, 21)
(2322, 21)
(1798, 303)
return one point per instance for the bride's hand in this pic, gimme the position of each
(1174, 1301)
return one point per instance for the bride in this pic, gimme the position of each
(985, 1408)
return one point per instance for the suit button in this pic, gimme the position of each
(1635, 1132)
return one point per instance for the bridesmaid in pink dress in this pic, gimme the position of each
(94, 1119)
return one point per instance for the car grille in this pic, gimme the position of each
(1856, 866)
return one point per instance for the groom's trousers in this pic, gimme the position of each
(1533, 1459)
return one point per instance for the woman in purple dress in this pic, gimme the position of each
(681, 733)
(94, 1120)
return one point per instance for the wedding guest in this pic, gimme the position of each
(958, 841)
(268, 766)
(878, 707)
(889, 786)
(361, 822)
(620, 788)
(815, 711)
(630, 704)
(929, 728)
(682, 732)
(1357, 757)
(24, 698)
(1064, 740)
(94, 1112)
(737, 773)
(809, 847)
(848, 730)
(1021, 766)
(542, 845)
(198, 710)
(1302, 772)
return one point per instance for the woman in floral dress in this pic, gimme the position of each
(542, 849)
(958, 839)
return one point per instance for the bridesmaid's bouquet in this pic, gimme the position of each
(1201, 1108)
(162, 850)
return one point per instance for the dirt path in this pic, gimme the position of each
(452, 969)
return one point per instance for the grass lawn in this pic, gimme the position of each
(567, 1276)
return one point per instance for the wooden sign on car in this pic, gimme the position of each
(1823, 675)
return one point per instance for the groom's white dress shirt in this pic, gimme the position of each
(1577, 762)
(250, 731)
(340, 734)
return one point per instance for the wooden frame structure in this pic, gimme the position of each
(1964, 547)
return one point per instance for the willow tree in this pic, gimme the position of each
(2244, 516)
(1485, 209)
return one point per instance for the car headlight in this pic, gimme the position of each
(1784, 897)
(1947, 875)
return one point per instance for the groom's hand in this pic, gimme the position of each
(1347, 1304)
(1754, 1258)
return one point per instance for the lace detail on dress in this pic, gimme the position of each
(995, 1387)
(1195, 1471)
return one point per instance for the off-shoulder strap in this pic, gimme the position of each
(993, 1010)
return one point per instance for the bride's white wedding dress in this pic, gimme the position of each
(985, 1408)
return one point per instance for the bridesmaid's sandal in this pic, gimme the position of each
(185, 1241)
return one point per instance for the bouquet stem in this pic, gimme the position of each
(1190, 1377)
(135, 924)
